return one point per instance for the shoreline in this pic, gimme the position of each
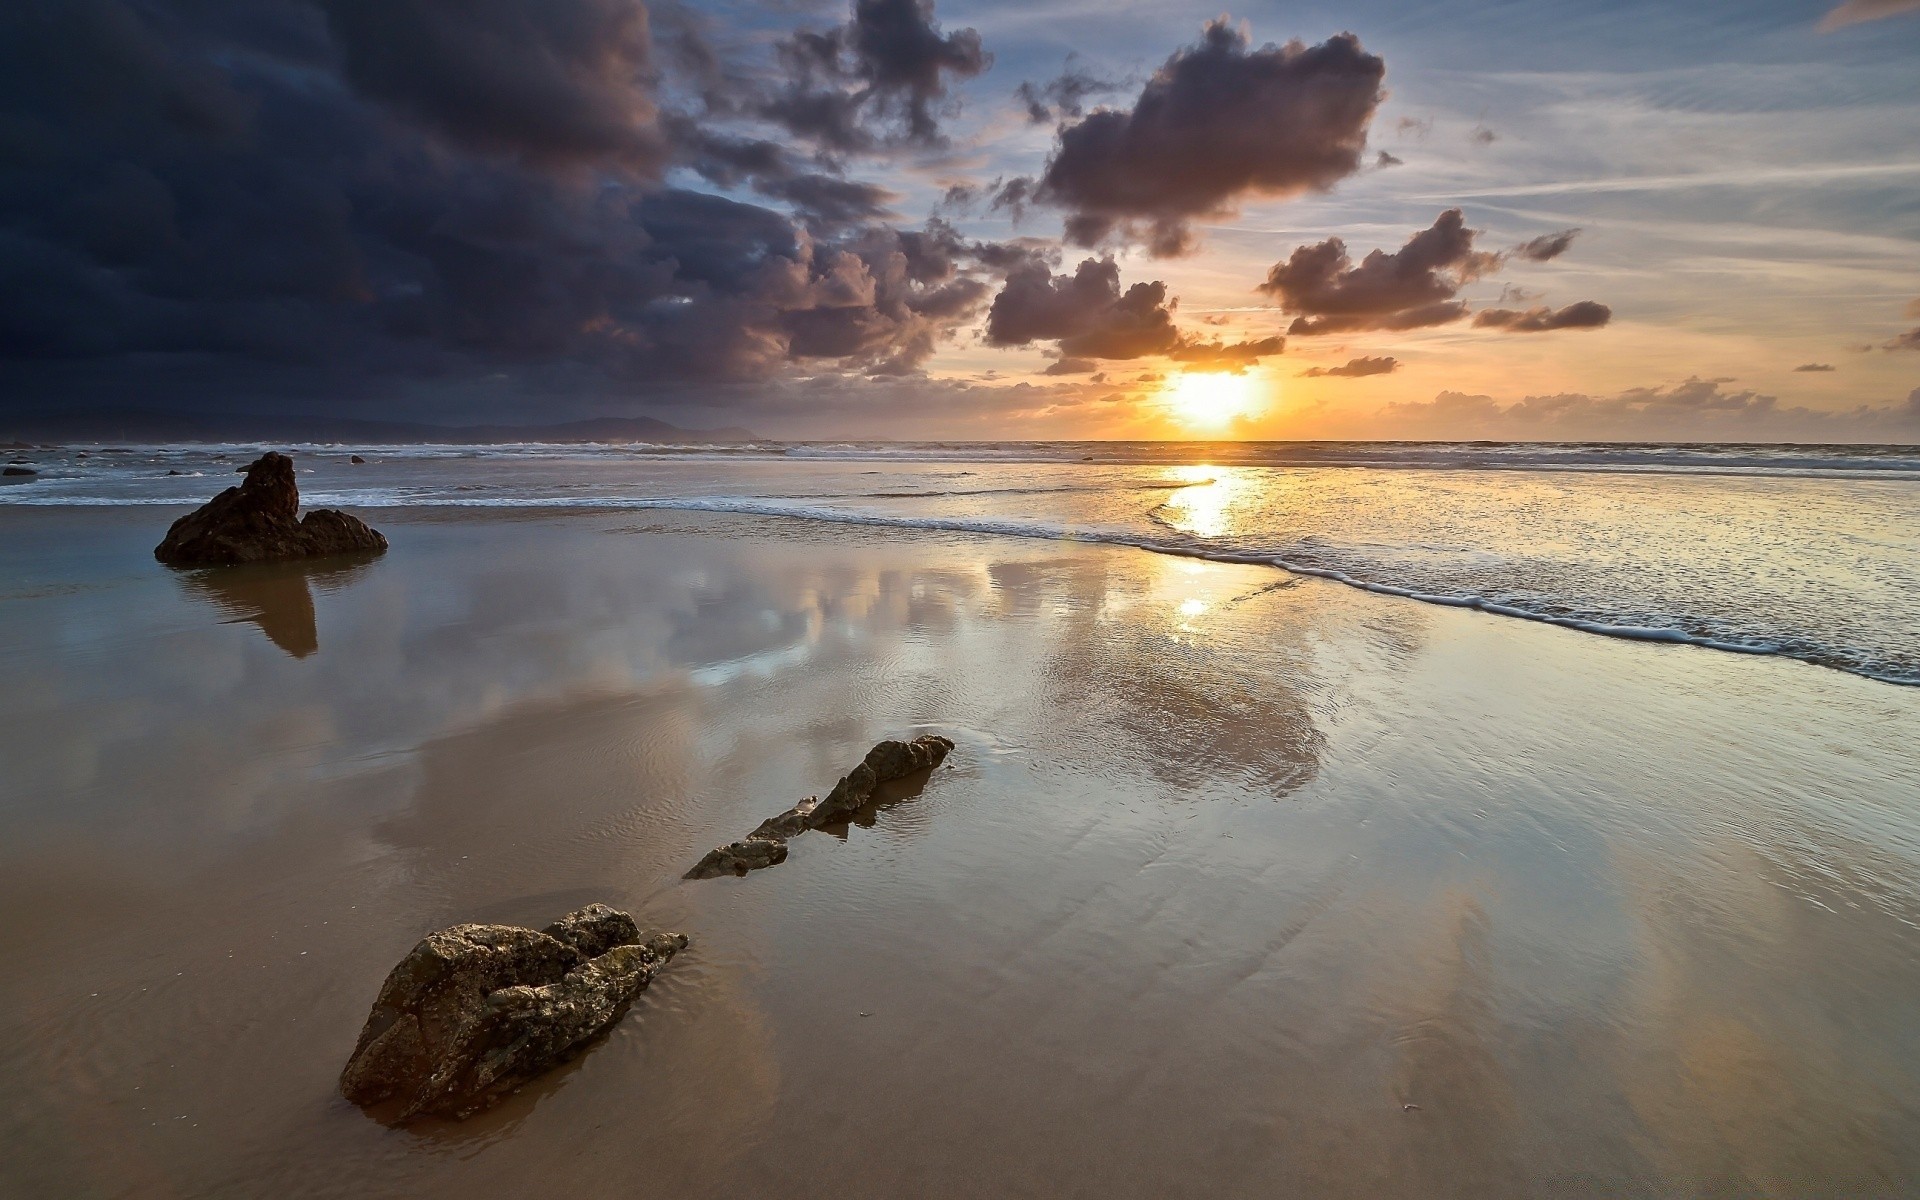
(1222, 879)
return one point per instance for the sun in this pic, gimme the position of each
(1210, 399)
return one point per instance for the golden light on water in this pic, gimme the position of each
(1210, 399)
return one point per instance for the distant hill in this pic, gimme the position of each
(135, 425)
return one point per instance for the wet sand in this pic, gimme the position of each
(1236, 885)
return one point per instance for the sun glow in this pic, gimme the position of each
(1210, 399)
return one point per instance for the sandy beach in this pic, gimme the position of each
(1237, 883)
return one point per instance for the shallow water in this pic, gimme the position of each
(1240, 883)
(1806, 552)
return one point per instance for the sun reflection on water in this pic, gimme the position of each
(1203, 508)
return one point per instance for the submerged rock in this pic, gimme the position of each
(767, 844)
(22, 471)
(256, 522)
(475, 1011)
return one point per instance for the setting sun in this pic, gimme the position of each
(1210, 399)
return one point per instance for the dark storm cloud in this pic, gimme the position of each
(553, 80)
(1216, 123)
(881, 78)
(1354, 368)
(1410, 288)
(1547, 247)
(1089, 317)
(229, 205)
(1582, 314)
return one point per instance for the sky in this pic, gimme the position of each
(972, 220)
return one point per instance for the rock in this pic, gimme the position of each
(171, 471)
(737, 858)
(24, 472)
(255, 522)
(767, 844)
(475, 1011)
(356, 460)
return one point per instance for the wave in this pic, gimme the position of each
(1615, 625)
(1771, 459)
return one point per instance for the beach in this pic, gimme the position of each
(1240, 880)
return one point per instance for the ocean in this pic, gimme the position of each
(1806, 552)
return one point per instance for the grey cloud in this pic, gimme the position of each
(1217, 122)
(882, 77)
(1073, 366)
(249, 206)
(1410, 288)
(1088, 315)
(1815, 367)
(553, 80)
(1547, 247)
(1063, 96)
(1355, 368)
(1692, 410)
(1582, 314)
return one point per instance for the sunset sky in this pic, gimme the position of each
(981, 220)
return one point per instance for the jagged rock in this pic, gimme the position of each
(22, 471)
(767, 845)
(255, 522)
(356, 460)
(475, 1011)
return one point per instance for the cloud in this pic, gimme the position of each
(1853, 12)
(1910, 340)
(252, 206)
(1355, 368)
(1085, 312)
(1816, 367)
(1089, 316)
(1383, 160)
(1062, 96)
(1582, 314)
(1546, 247)
(1217, 122)
(881, 78)
(1692, 410)
(558, 81)
(1073, 366)
(1410, 288)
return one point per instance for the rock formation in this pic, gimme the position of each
(256, 522)
(475, 1011)
(767, 844)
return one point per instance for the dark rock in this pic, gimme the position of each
(26, 472)
(737, 858)
(475, 1011)
(171, 471)
(356, 459)
(255, 522)
(766, 845)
